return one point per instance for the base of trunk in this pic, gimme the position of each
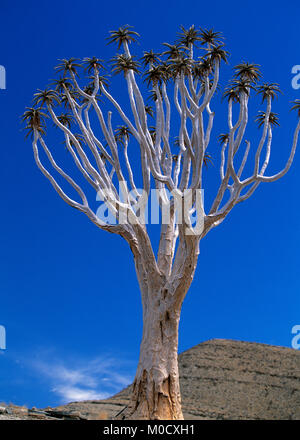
(156, 388)
(152, 401)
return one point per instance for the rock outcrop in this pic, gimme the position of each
(219, 379)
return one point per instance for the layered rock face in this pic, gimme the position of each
(219, 379)
(225, 379)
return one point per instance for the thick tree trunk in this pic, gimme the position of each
(156, 390)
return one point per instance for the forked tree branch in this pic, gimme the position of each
(183, 89)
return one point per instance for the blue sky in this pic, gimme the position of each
(69, 296)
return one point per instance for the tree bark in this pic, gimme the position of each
(156, 389)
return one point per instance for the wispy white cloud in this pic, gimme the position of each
(71, 394)
(78, 380)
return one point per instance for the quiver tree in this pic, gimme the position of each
(172, 137)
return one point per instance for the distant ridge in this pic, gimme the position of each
(219, 379)
(227, 379)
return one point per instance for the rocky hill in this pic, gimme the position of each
(220, 379)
